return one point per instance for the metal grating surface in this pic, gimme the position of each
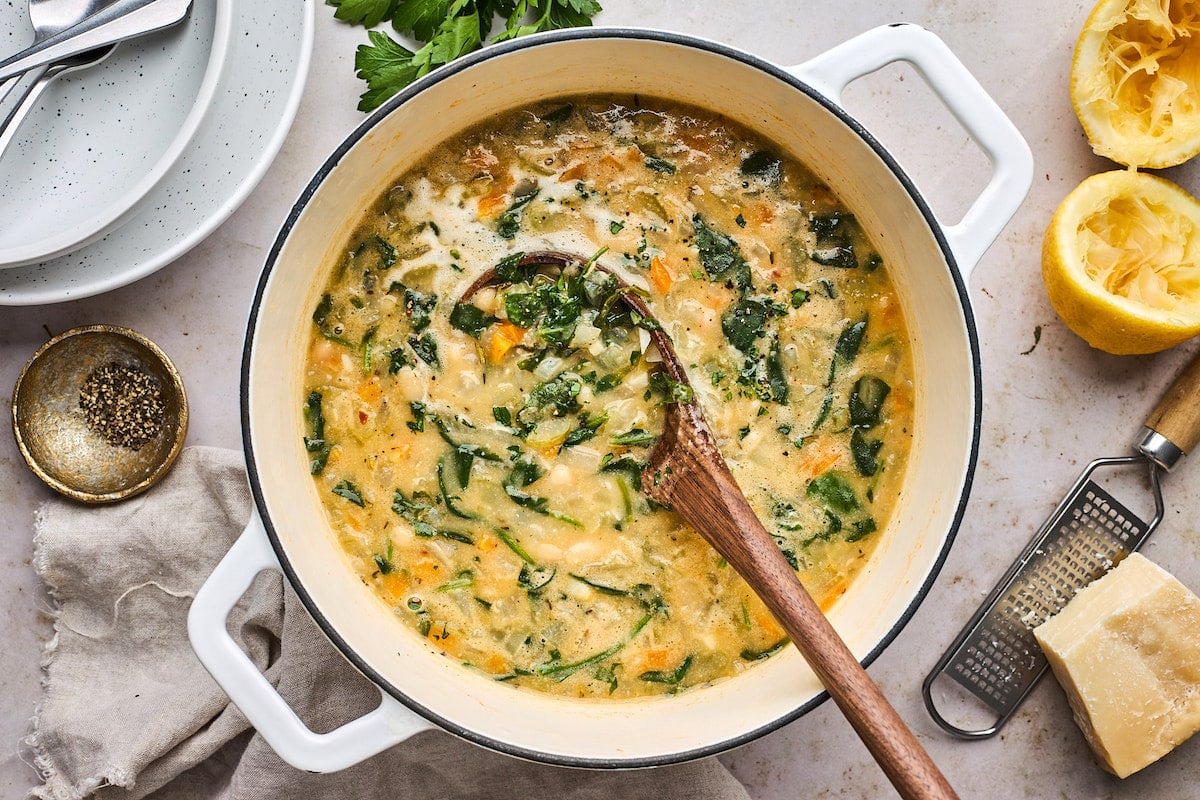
(1000, 660)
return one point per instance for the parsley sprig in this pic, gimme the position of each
(447, 29)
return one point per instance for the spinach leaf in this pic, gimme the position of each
(862, 529)
(586, 430)
(512, 544)
(417, 305)
(510, 270)
(746, 321)
(660, 165)
(533, 578)
(557, 670)
(799, 297)
(834, 247)
(833, 524)
(462, 580)
(720, 255)
(350, 492)
(525, 472)
(450, 500)
(383, 252)
(385, 561)
(425, 346)
(411, 509)
(850, 341)
(510, 221)
(315, 442)
(834, 491)
(865, 453)
(866, 401)
(758, 655)
(476, 451)
(625, 465)
(397, 358)
(644, 593)
(764, 375)
(669, 390)
(470, 319)
(673, 678)
(427, 531)
(789, 552)
(764, 164)
(417, 423)
(331, 331)
(560, 395)
(634, 437)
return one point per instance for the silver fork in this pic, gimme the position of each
(49, 17)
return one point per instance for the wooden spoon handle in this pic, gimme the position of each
(707, 497)
(1177, 415)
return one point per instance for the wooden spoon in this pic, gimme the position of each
(688, 474)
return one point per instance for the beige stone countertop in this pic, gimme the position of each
(1051, 403)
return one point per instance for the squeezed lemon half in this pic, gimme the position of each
(1135, 81)
(1121, 262)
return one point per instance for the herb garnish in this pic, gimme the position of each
(448, 29)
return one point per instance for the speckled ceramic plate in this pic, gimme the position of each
(255, 103)
(102, 139)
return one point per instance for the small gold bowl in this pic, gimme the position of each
(53, 430)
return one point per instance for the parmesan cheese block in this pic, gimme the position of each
(1127, 651)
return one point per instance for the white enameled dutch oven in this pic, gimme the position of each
(798, 108)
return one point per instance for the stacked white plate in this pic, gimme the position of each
(124, 167)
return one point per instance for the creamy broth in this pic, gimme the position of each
(479, 462)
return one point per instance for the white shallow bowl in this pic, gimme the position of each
(253, 108)
(101, 139)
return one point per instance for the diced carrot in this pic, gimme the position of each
(660, 276)
(550, 452)
(760, 213)
(370, 392)
(505, 336)
(819, 457)
(573, 173)
(834, 593)
(612, 161)
(354, 518)
(490, 205)
(487, 542)
(654, 659)
(426, 570)
(768, 624)
(394, 584)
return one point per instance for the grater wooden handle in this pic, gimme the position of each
(1177, 415)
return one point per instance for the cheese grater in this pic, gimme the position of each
(996, 658)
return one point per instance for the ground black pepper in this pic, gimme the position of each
(123, 404)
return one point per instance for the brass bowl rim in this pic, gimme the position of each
(168, 459)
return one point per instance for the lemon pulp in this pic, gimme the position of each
(1121, 262)
(1134, 81)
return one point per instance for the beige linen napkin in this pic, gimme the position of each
(129, 712)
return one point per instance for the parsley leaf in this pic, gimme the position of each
(447, 29)
(365, 12)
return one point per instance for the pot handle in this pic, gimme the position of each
(387, 725)
(1012, 162)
